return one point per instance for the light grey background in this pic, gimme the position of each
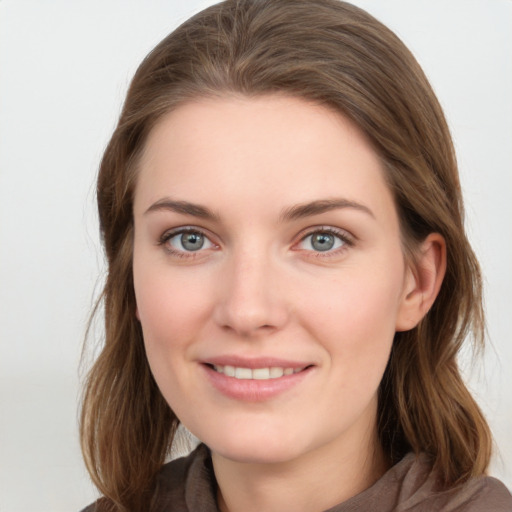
(64, 70)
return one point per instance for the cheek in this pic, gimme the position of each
(354, 318)
(171, 310)
(170, 305)
(355, 303)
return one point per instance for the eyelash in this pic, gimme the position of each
(346, 239)
(168, 235)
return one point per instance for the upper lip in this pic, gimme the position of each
(254, 362)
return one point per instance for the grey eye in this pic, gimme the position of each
(192, 241)
(189, 241)
(322, 241)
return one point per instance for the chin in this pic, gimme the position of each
(255, 454)
(254, 447)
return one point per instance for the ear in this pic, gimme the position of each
(422, 282)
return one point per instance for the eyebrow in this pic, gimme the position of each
(321, 206)
(184, 207)
(295, 212)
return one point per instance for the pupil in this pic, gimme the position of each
(192, 241)
(322, 242)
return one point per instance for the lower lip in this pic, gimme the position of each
(253, 390)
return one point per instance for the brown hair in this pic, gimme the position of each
(337, 55)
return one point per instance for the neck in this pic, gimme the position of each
(315, 481)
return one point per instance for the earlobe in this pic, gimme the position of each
(422, 282)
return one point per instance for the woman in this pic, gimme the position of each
(289, 276)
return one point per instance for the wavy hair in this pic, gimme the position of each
(337, 55)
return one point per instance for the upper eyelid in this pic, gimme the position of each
(342, 233)
(163, 242)
(170, 233)
(345, 235)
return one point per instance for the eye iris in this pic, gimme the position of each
(192, 241)
(322, 241)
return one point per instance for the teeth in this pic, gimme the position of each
(262, 373)
(243, 373)
(276, 372)
(229, 371)
(273, 372)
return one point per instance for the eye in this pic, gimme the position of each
(186, 241)
(324, 240)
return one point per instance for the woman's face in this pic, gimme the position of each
(269, 275)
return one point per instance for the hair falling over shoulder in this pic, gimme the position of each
(333, 53)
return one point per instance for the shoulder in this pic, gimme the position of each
(481, 493)
(182, 485)
(420, 492)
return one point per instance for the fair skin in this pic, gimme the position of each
(267, 245)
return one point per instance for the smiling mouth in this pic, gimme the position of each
(268, 373)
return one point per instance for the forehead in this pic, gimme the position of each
(274, 148)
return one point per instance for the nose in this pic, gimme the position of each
(251, 299)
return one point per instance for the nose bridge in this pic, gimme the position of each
(251, 300)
